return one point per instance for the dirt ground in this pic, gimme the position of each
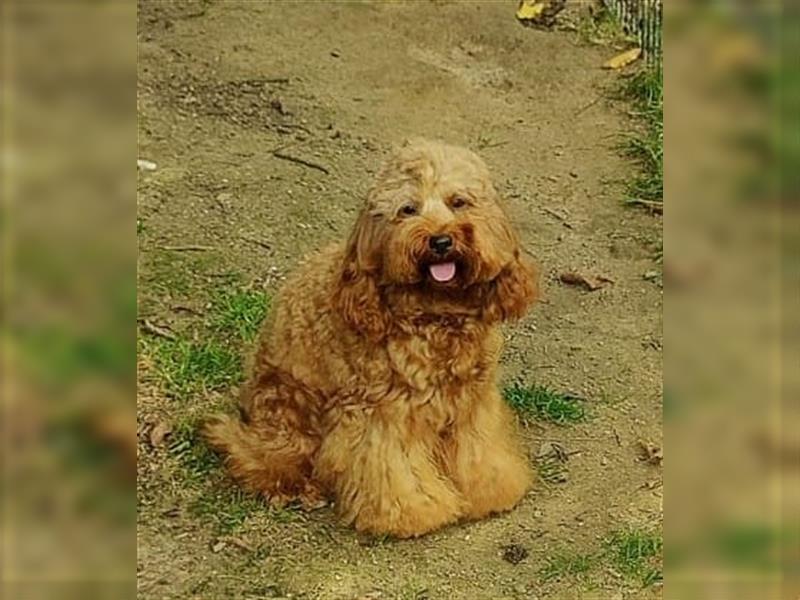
(222, 85)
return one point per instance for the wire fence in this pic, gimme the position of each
(643, 19)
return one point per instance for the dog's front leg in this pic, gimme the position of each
(485, 459)
(385, 479)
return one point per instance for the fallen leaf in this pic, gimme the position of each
(159, 433)
(530, 9)
(539, 13)
(590, 283)
(621, 60)
(651, 453)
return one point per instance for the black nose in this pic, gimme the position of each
(440, 243)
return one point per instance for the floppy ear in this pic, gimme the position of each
(513, 291)
(357, 296)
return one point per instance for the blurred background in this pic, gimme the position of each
(731, 312)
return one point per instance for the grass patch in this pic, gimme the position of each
(187, 367)
(227, 507)
(239, 312)
(191, 451)
(542, 403)
(645, 89)
(601, 28)
(567, 565)
(636, 554)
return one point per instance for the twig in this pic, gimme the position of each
(270, 80)
(587, 106)
(238, 542)
(550, 211)
(189, 248)
(256, 241)
(194, 15)
(656, 207)
(494, 145)
(300, 161)
(150, 327)
(184, 308)
(291, 126)
(561, 218)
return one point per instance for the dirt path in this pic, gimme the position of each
(222, 86)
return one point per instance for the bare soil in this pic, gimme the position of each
(223, 86)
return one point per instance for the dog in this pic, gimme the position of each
(374, 383)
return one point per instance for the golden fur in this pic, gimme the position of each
(375, 385)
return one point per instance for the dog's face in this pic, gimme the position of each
(432, 227)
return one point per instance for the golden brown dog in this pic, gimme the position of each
(375, 378)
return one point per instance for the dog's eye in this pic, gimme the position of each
(458, 202)
(408, 209)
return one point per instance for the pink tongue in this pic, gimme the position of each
(443, 272)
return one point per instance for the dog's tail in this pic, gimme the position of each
(264, 461)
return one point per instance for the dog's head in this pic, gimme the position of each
(433, 230)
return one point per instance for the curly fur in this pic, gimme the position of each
(375, 385)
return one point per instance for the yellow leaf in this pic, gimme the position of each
(530, 9)
(626, 58)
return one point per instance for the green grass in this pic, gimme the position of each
(601, 28)
(211, 361)
(194, 456)
(227, 507)
(567, 565)
(636, 554)
(186, 367)
(645, 90)
(542, 403)
(239, 312)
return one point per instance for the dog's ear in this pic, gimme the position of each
(513, 291)
(357, 296)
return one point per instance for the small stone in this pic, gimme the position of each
(650, 276)
(335, 53)
(219, 545)
(146, 165)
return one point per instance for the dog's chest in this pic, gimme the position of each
(431, 356)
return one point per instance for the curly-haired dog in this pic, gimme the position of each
(375, 380)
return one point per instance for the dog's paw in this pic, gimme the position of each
(410, 518)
